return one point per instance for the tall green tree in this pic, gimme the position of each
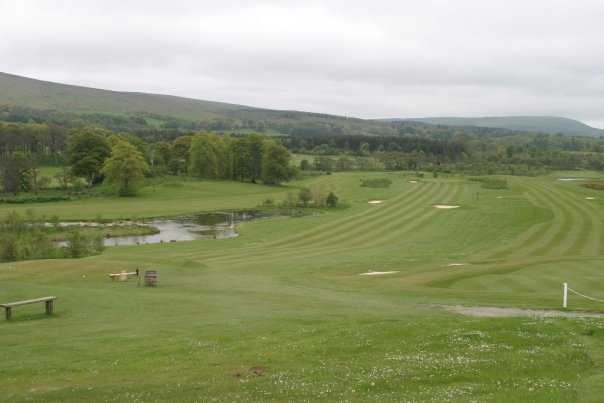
(180, 155)
(125, 168)
(15, 173)
(87, 152)
(241, 166)
(204, 157)
(256, 149)
(275, 163)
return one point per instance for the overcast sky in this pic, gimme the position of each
(405, 58)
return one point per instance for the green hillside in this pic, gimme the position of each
(27, 92)
(48, 96)
(47, 99)
(545, 124)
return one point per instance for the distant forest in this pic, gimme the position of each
(398, 145)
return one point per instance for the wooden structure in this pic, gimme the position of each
(151, 278)
(48, 301)
(123, 276)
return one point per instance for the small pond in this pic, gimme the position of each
(217, 225)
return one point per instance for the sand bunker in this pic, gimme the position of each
(445, 206)
(456, 264)
(412, 181)
(590, 198)
(377, 273)
(493, 312)
(569, 179)
(375, 201)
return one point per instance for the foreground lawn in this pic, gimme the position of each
(281, 313)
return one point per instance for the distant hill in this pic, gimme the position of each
(44, 95)
(25, 99)
(32, 93)
(544, 124)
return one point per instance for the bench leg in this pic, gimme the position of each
(8, 311)
(49, 307)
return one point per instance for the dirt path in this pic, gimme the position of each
(495, 312)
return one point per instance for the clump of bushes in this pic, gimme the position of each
(34, 199)
(311, 198)
(29, 237)
(594, 185)
(491, 183)
(80, 245)
(376, 183)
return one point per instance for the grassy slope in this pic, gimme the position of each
(161, 198)
(281, 314)
(37, 94)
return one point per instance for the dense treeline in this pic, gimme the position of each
(364, 145)
(45, 142)
(256, 157)
(122, 160)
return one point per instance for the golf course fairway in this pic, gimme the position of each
(283, 313)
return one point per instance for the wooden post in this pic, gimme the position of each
(8, 310)
(48, 307)
(565, 296)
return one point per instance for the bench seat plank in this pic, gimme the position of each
(27, 302)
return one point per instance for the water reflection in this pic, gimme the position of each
(190, 228)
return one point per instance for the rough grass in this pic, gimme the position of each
(281, 314)
(492, 183)
(107, 232)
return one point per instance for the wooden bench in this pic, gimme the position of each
(49, 301)
(123, 276)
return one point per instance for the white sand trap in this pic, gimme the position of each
(412, 181)
(569, 179)
(590, 198)
(375, 201)
(445, 206)
(494, 312)
(377, 273)
(456, 264)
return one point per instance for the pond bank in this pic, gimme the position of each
(212, 225)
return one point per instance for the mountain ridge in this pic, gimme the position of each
(46, 95)
(545, 124)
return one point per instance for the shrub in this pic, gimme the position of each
(305, 196)
(332, 200)
(28, 237)
(268, 202)
(34, 199)
(8, 251)
(491, 183)
(594, 185)
(376, 183)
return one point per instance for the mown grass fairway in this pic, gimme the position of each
(281, 313)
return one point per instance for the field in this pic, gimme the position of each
(282, 314)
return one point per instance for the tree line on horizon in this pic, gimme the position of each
(124, 159)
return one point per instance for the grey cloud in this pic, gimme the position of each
(378, 59)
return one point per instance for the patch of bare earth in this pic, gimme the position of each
(496, 312)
